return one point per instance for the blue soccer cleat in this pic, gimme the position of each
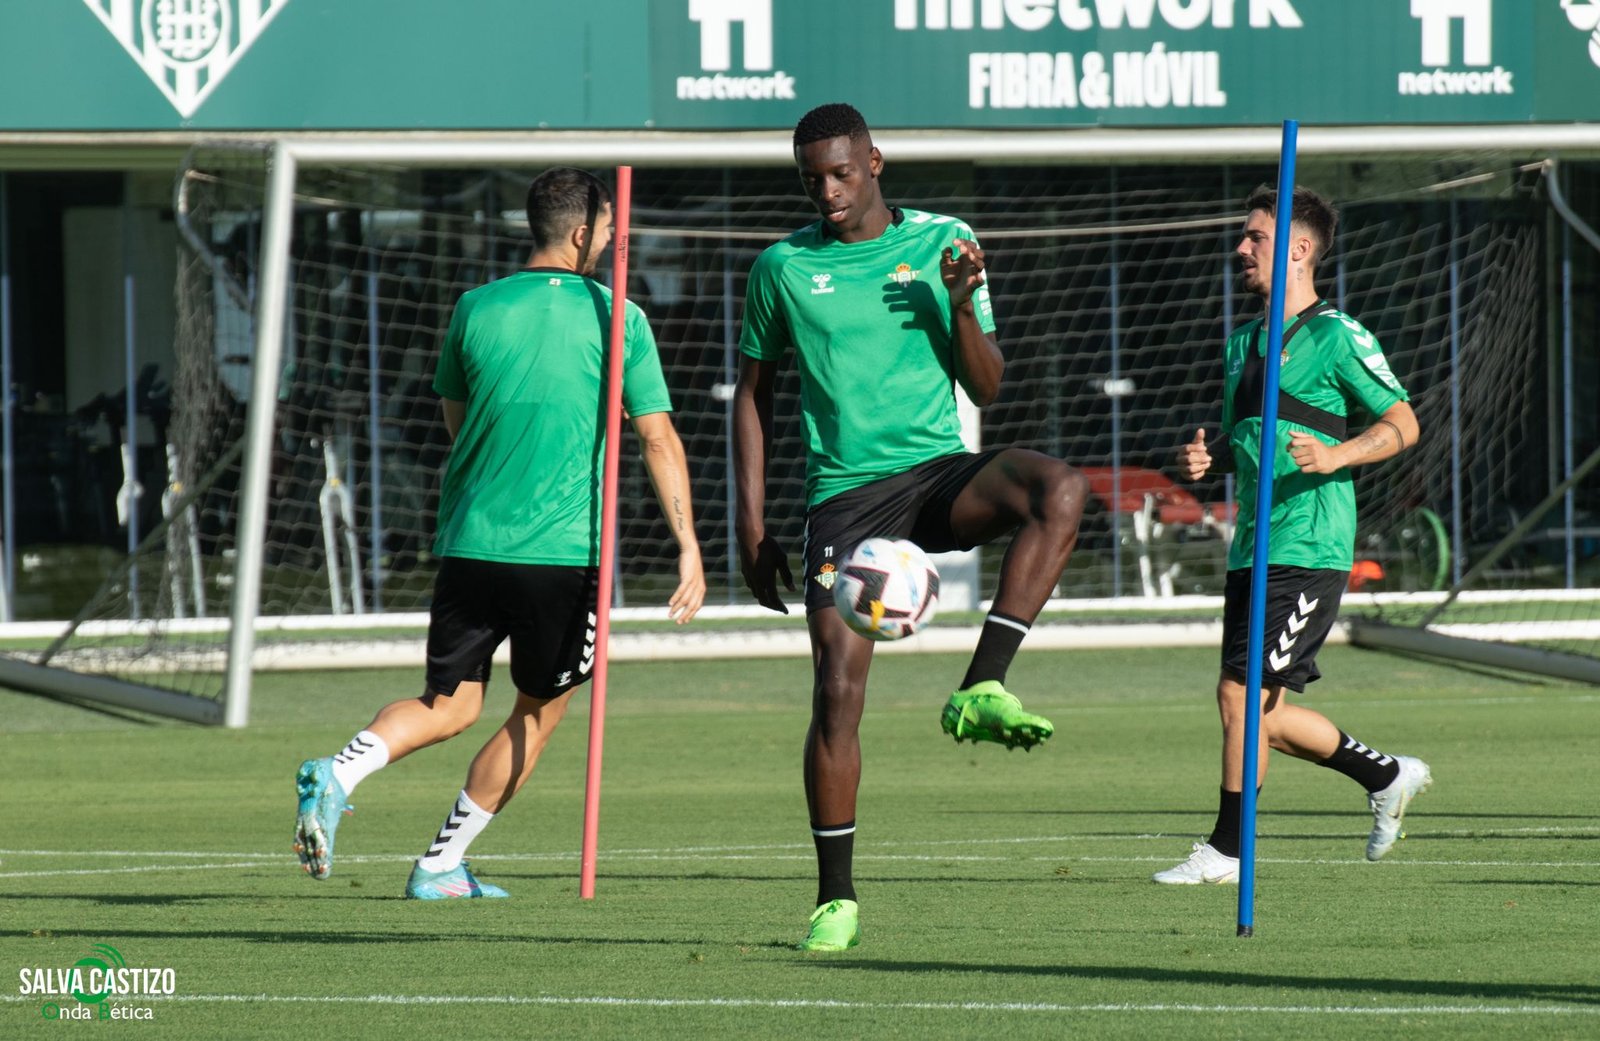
(455, 884)
(322, 803)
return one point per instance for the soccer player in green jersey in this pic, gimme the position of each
(1331, 367)
(886, 311)
(521, 374)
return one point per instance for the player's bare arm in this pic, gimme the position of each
(1394, 432)
(761, 559)
(979, 363)
(668, 467)
(455, 413)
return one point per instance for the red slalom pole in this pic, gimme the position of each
(608, 528)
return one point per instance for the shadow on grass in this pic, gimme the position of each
(338, 937)
(129, 899)
(1519, 883)
(1577, 993)
(1266, 814)
(796, 879)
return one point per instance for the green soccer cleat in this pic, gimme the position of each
(988, 712)
(835, 926)
(322, 803)
(456, 884)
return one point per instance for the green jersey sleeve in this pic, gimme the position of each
(1362, 371)
(765, 335)
(644, 388)
(450, 378)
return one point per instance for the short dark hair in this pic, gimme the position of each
(829, 121)
(1310, 210)
(561, 199)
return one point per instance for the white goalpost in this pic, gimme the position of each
(320, 271)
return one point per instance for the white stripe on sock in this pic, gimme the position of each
(828, 833)
(1010, 623)
(364, 756)
(462, 824)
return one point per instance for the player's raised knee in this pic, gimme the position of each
(1063, 491)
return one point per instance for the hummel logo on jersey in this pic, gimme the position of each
(564, 679)
(822, 285)
(1280, 657)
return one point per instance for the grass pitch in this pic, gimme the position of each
(1003, 894)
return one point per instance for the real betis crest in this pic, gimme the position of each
(186, 47)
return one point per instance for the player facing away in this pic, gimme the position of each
(521, 376)
(886, 311)
(1331, 365)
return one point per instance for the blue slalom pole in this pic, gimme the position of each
(1258, 569)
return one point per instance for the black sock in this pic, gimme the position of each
(1225, 833)
(1002, 635)
(835, 845)
(1368, 767)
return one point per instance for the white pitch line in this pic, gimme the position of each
(1026, 840)
(768, 858)
(825, 1004)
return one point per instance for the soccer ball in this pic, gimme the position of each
(887, 589)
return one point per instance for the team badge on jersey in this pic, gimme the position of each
(903, 275)
(827, 576)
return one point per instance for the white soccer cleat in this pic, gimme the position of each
(1389, 805)
(1205, 866)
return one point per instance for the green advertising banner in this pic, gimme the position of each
(712, 64)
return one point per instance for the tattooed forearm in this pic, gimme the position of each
(679, 522)
(1399, 438)
(1371, 441)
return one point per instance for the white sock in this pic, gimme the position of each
(465, 821)
(365, 754)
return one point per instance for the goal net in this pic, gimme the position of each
(1113, 288)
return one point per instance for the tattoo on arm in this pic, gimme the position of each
(1372, 440)
(1399, 438)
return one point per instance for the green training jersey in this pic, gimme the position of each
(527, 355)
(1332, 363)
(869, 323)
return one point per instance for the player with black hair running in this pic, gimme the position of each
(1331, 367)
(521, 374)
(887, 312)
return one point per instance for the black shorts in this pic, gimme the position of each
(1302, 604)
(912, 505)
(547, 610)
